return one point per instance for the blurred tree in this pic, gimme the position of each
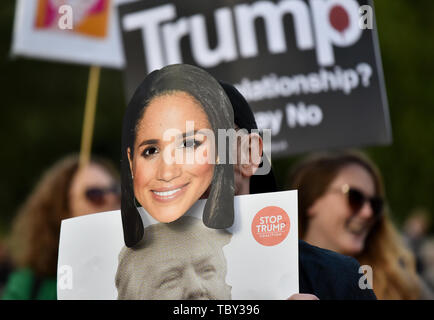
(405, 30)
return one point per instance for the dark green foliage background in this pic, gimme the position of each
(42, 106)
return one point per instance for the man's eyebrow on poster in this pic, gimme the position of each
(175, 272)
(172, 270)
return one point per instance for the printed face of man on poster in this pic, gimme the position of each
(182, 260)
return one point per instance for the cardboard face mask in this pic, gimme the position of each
(168, 159)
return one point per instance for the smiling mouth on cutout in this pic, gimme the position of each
(168, 194)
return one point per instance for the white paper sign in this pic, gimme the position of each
(260, 261)
(76, 31)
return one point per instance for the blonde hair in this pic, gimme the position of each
(394, 270)
(393, 265)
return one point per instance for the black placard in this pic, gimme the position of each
(311, 70)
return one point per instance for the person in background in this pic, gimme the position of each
(416, 236)
(341, 208)
(64, 191)
(426, 253)
(322, 274)
(415, 231)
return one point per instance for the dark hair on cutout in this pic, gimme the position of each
(219, 208)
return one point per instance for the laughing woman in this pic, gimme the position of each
(341, 208)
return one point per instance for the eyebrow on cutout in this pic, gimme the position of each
(156, 141)
(150, 141)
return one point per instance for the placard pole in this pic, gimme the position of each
(89, 115)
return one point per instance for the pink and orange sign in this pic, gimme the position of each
(90, 17)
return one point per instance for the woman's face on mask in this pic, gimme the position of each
(170, 175)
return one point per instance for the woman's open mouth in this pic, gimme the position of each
(358, 229)
(168, 194)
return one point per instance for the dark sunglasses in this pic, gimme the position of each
(96, 195)
(357, 199)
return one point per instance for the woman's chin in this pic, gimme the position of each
(353, 248)
(167, 218)
(165, 214)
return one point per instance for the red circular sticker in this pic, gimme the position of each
(339, 18)
(270, 226)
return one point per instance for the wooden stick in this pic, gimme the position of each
(89, 115)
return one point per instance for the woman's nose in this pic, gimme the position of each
(366, 211)
(168, 170)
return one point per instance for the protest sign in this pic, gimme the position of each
(257, 258)
(74, 31)
(310, 69)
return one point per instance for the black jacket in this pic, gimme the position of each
(330, 275)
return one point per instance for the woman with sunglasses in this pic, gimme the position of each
(64, 191)
(341, 208)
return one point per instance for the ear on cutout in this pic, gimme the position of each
(250, 154)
